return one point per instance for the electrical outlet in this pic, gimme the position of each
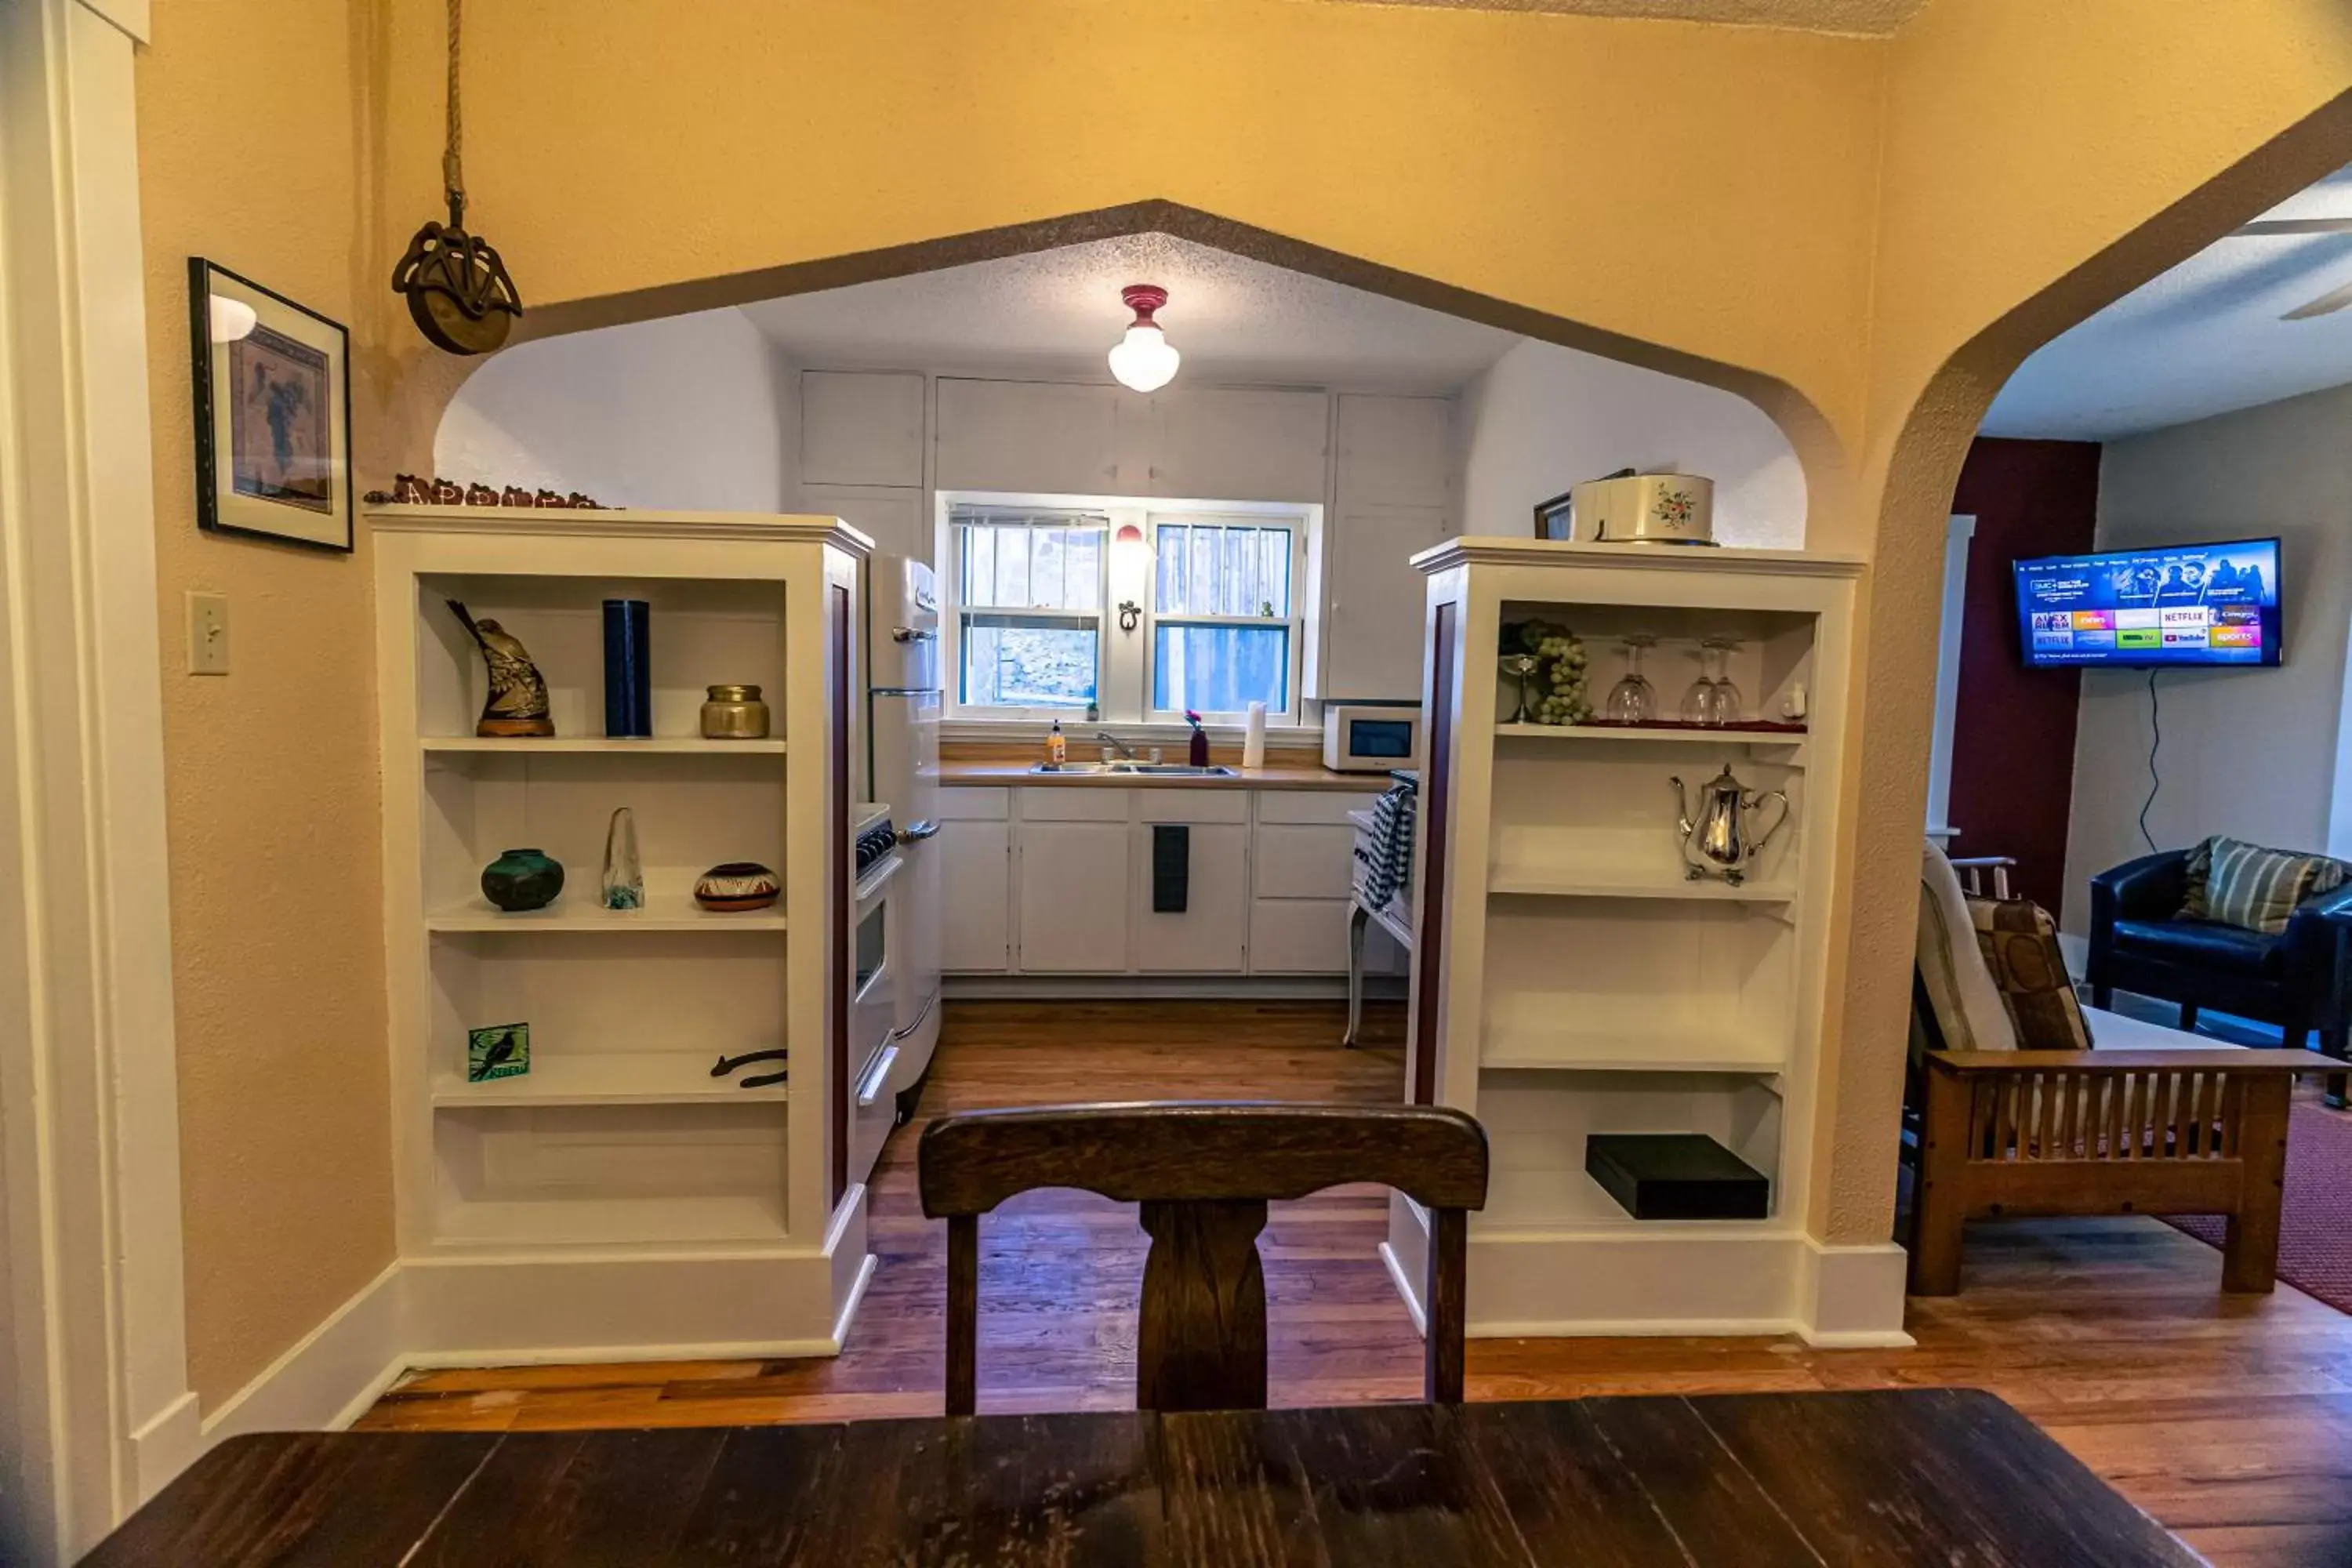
(208, 634)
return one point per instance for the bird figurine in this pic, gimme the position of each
(518, 700)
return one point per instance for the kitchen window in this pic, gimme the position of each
(1057, 605)
(1029, 595)
(1224, 633)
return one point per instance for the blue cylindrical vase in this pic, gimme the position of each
(628, 667)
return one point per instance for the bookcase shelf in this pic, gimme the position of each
(570, 1191)
(1587, 984)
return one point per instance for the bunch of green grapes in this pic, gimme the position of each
(1561, 677)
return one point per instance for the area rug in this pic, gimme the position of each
(2315, 1220)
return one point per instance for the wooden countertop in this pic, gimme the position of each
(1884, 1476)
(998, 762)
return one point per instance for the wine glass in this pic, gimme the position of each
(1725, 704)
(1634, 700)
(1521, 665)
(1698, 702)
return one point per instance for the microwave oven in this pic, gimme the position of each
(1364, 740)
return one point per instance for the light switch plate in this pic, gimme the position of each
(208, 634)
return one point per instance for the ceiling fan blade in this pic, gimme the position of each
(2327, 304)
(2294, 226)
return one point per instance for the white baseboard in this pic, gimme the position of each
(1203, 987)
(1697, 1280)
(328, 1376)
(166, 1445)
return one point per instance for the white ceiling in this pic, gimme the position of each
(1869, 16)
(1058, 311)
(2201, 340)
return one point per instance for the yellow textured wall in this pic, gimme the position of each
(1838, 218)
(248, 142)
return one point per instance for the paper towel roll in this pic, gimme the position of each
(1253, 737)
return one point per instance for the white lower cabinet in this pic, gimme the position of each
(1058, 880)
(1298, 936)
(1209, 936)
(1071, 896)
(975, 862)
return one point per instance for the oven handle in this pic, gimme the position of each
(877, 1073)
(916, 832)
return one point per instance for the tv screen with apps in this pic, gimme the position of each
(2181, 604)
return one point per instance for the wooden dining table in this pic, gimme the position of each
(1941, 1476)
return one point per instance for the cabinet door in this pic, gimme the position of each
(1025, 436)
(1073, 879)
(975, 872)
(1298, 860)
(894, 516)
(1299, 936)
(1395, 451)
(1209, 936)
(1242, 444)
(861, 427)
(1379, 602)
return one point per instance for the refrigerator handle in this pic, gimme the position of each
(913, 634)
(915, 833)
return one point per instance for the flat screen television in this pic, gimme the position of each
(2138, 609)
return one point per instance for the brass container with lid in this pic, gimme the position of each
(734, 713)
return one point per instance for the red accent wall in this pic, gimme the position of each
(2013, 728)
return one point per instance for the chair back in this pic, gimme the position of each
(1204, 1173)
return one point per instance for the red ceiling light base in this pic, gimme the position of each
(1143, 299)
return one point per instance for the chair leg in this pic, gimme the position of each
(2103, 996)
(2188, 1017)
(2250, 1244)
(1940, 1200)
(2333, 1043)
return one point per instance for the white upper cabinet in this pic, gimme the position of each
(1238, 444)
(1027, 436)
(1372, 645)
(891, 517)
(1395, 451)
(861, 427)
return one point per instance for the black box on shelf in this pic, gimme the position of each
(1676, 1175)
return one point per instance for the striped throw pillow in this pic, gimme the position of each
(2256, 889)
(2020, 945)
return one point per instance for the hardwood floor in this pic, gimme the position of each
(2228, 1418)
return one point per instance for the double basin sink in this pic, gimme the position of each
(1148, 770)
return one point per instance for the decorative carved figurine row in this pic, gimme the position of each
(410, 489)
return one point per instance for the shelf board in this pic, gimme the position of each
(1528, 1052)
(610, 1077)
(1793, 740)
(1536, 883)
(577, 914)
(641, 745)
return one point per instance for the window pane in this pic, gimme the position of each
(1219, 669)
(1210, 569)
(980, 565)
(1085, 570)
(1012, 568)
(1042, 664)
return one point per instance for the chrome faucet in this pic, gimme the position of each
(1126, 752)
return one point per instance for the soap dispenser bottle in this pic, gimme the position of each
(1199, 753)
(1057, 746)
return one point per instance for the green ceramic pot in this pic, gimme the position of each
(522, 880)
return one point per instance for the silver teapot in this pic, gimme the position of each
(1717, 843)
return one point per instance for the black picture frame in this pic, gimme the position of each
(315, 352)
(1555, 518)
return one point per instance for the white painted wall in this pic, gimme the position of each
(2257, 753)
(694, 413)
(1546, 418)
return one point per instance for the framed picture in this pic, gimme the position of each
(1556, 518)
(273, 385)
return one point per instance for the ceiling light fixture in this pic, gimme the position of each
(1142, 360)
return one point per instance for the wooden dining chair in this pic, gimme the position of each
(1204, 1173)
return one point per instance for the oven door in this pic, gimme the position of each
(873, 1019)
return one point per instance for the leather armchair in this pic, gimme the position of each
(2297, 979)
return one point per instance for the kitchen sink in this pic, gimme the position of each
(1149, 770)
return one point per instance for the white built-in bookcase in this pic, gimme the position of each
(618, 1196)
(1570, 979)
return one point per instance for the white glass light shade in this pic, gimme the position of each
(1143, 361)
(231, 319)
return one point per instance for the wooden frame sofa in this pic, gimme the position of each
(2155, 1121)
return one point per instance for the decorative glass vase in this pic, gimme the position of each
(520, 879)
(624, 874)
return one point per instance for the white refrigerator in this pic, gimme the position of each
(902, 727)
